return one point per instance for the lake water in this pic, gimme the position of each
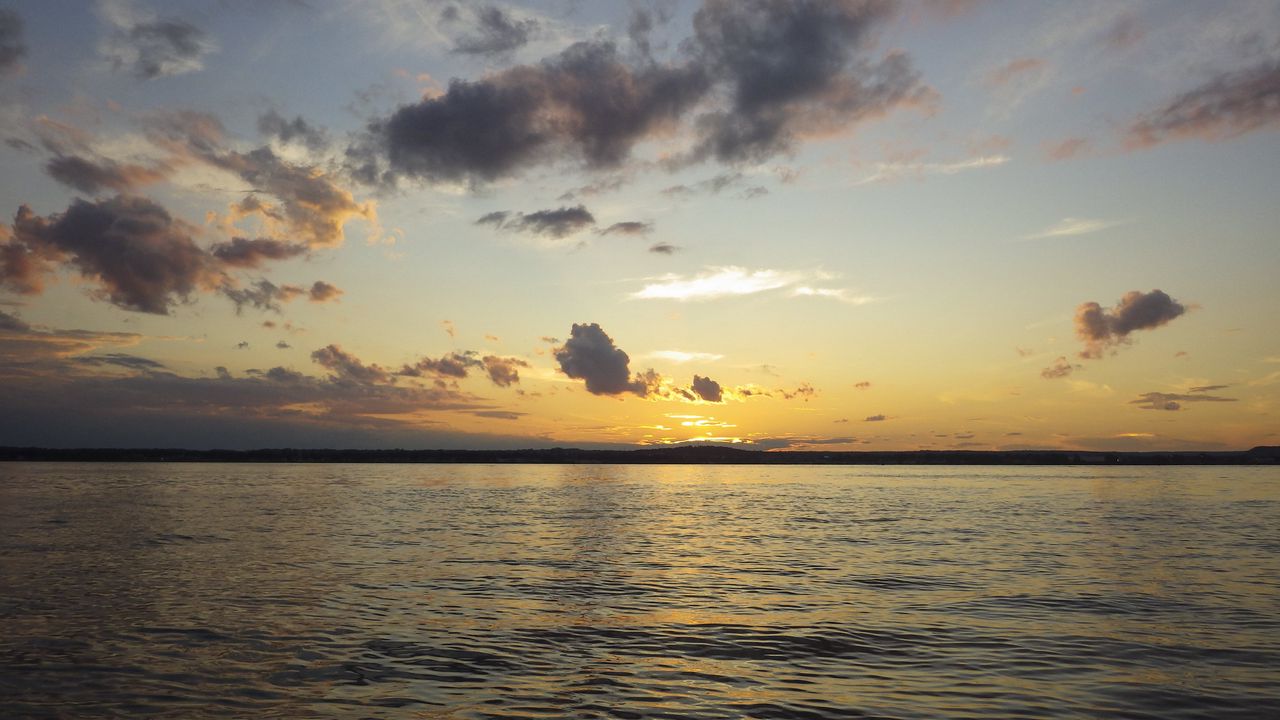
(474, 591)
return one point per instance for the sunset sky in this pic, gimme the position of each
(843, 225)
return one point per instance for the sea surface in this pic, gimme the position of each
(483, 591)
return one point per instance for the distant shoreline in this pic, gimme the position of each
(705, 455)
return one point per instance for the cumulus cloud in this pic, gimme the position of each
(92, 175)
(1102, 329)
(261, 294)
(765, 75)
(321, 291)
(496, 33)
(453, 365)
(12, 46)
(503, 371)
(1175, 401)
(590, 355)
(1230, 104)
(345, 367)
(152, 47)
(552, 223)
(707, 389)
(139, 256)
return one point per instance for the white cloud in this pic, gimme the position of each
(680, 356)
(728, 281)
(889, 171)
(1068, 227)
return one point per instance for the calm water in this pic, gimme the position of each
(421, 591)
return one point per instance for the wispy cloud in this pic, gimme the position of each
(1069, 227)
(890, 171)
(729, 281)
(680, 356)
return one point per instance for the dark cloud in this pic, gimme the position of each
(804, 391)
(91, 176)
(242, 345)
(496, 33)
(272, 125)
(322, 291)
(140, 257)
(630, 227)
(1174, 401)
(245, 253)
(707, 389)
(1225, 106)
(875, 418)
(454, 365)
(503, 371)
(863, 385)
(12, 46)
(282, 345)
(585, 102)
(27, 350)
(1059, 369)
(1207, 388)
(552, 223)
(590, 355)
(261, 294)
(499, 414)
(663, 249)
(793, 69)
(347, 368)
(157, 48)
(1101, 329)
(124, 360)
(754, 191)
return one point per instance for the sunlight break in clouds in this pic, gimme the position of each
(1068, 227)
(681, 357)
(718, 282)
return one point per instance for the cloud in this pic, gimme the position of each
(664, 249)
(680, 356)
(272, 125)
(245, 253)
(630, 227)
(322, 291)
(729, 281)
(1067, 148)
(1015, 70)
(1059, 369)
(711, 186)
(282, 345)
(1101, 329)
(1070, 227)
(707, 389)
(590, 355)
(1207, 388)
(151, 47)
(756, 77)
(1174, 401)
(124, 360)
(503, 371)
(26, 349)
(864, 385)
(1228, 105)
(91, 176)
(889, 171)
(261, 294)
(453, 365)
(12, 46)
(875, 418)
(552, 223)
(496, 33)
(347, 368)
(139, 257)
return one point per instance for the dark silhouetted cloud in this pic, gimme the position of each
(590, 355)
(1059, 369)
(153, 47)
(552, 223)
(630, 227)
(1102, 329)
(12, 46)
(453, 365)
(322, 291)
(282, 345)
(503, 371)
(245, 253)
(707, 389)
(124, 360)
(91, 176)
(140, 257)
(875, 418)
(345, 367)
(863, 385)
(1225, 106)
(664, 249)
(261, 294)
(271, 124)
(495, 33)
(1174, 401)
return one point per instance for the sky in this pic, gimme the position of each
(840, 225)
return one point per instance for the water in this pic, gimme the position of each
(429, 591)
